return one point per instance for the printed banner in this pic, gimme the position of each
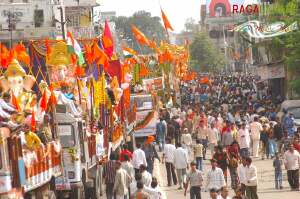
(255, 29)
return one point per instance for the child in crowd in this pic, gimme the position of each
(198, 153)
(277, 164)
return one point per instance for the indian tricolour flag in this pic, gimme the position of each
(128, 52)
(74, 47)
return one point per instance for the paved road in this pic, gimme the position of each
(266, 188)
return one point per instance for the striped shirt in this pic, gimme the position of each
(109, 171)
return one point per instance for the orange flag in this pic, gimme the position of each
(19, 52)
(143, 70)
(139, 36)
(15, 103)
(166, 21)
(100, 56)
(43, 103)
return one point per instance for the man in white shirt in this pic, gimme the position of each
(251, 179)
(242, 175)
(215, 177)
(244, 140)
(213, 137)
(146, 176)
(255, 128)
(224, 193)
(138, 158)
(181, 163)
(122, 180)
(291, 163)
(168, 158)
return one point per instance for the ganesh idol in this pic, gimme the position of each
(16, 82)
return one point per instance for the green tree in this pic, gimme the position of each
(205, 56)
(149, 25)
(190, 25)
(288, 45)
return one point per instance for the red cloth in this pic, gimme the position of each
(123, 153)
(297, 147)
(234, 150)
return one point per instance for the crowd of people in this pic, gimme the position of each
(228, 120)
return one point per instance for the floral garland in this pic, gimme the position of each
(142, 124)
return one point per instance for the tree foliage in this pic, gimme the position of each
(149, 25)
(288, 11)
(190, 25)
(204, 54)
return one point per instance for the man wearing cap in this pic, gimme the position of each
(194, 177)
(150, 153)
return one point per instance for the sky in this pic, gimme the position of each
(177, 11)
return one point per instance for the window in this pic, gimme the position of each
(38, 18)
(73, 20)
(66, 135)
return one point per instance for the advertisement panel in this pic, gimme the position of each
(217, 8)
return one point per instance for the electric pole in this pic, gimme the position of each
(62, 22)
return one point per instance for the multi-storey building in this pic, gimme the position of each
(23, 20)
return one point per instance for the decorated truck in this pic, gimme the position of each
(146, 115)
(27, 172)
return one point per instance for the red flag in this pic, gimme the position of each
(166, 21)
(33, 125)
(43, 103)
(107, 40)
(139, 36)
(15, 103)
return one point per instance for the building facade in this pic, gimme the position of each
(23, 20)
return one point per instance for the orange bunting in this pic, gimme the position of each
(139, 36)
(33, 125)
(79, 71)
(43, 103)
(166, 21)
(4, 56)
(15, 102)
(126, 94)
(143, 70)
(52, 99)
(88, 53)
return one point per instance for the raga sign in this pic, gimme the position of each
(220, 8)
(247, 9)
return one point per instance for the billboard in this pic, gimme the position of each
(218, 8)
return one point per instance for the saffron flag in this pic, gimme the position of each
(107, 40)
(21, 54)
(74, 47)
(139, 36)
(166, 21)
(143, 72)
